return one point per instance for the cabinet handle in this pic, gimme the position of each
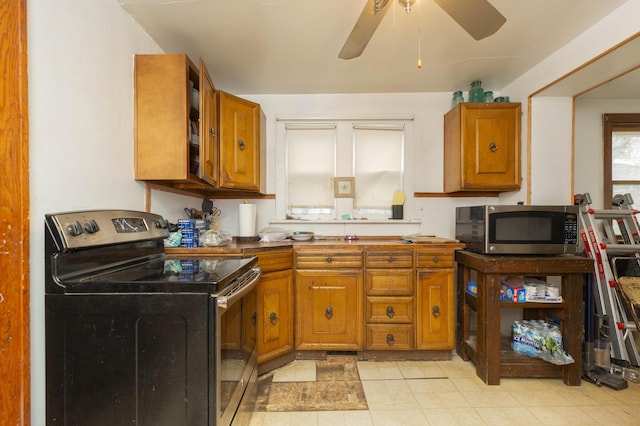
(254, 318)
(435, 311)
(212, 130)
(329, 259)
(241, 145)
(493, 147)
(390, 339)
(328, 312)
(273, 318)
(390, 311)
(436, 259)
(390, 259)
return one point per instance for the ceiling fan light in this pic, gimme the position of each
(407, 4)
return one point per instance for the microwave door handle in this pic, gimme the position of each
(237, 291)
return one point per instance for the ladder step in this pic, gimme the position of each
(612, 214)
(623, 248)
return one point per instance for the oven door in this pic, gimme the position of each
(235, 353)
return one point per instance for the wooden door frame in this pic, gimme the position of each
(14, 217)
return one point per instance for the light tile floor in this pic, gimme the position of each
(449, 393)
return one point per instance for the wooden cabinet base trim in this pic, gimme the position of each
(459, 194)
(406, 355)
(272, 364)
(368, 355)
(193, 189)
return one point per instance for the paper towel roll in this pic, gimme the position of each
(247, 220)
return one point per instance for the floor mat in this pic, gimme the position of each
(337, 388)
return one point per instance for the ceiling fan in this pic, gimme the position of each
(477, 17)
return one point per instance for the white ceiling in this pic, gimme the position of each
(292, 46)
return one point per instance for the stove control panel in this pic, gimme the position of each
(100, 227)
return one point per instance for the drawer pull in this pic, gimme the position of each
(390, 339)
(436, 259)
(329, 259)
(254, 318)
(493, 147)
(328, 313)
(390, 311)
(435, 311)
(390, 259)
(241, 145)
(273, 318)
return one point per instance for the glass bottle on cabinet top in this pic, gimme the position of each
(457, 98)
(476, 94)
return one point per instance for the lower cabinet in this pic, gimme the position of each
(275, 319)
(380, 302)
(434, 301)
(389, 302)
(329, 306)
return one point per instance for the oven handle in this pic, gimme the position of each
(244, 284)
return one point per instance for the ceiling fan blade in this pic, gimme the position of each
(478, 17)
(363, 29)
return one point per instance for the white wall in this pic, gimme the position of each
(589, 167)
(551, 151)
(81, 129)
(618, 26)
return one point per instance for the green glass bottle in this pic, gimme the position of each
(476, 94)
(457, 98)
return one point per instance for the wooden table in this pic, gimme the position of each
(492, 353)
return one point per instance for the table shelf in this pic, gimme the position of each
(471, 300)
(491, 352)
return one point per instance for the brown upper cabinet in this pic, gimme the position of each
(191, 137)
(241, 125)
(482, 147)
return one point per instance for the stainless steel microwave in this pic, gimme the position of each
(519, 229)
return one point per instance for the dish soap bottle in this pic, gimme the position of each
(476, 94)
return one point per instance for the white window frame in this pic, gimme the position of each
(344, 161)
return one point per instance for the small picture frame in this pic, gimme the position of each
(344, 187)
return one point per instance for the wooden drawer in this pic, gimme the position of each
(389, 259)
(389, 309)
(384, 282)
(274, 260)
(389, 337)
(328, 259)
(434, 258)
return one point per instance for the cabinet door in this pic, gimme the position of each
(329, 305)
(434, 300)
(208, 128)
(249, 322)
(162, 116)
(239, 138)
(231, 328)
(275, 319)
(490, 148)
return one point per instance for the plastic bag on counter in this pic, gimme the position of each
(173, 240)
(271, 235)
(215, 238)
(539, 339)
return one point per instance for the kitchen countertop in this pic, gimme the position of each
(235, 247)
